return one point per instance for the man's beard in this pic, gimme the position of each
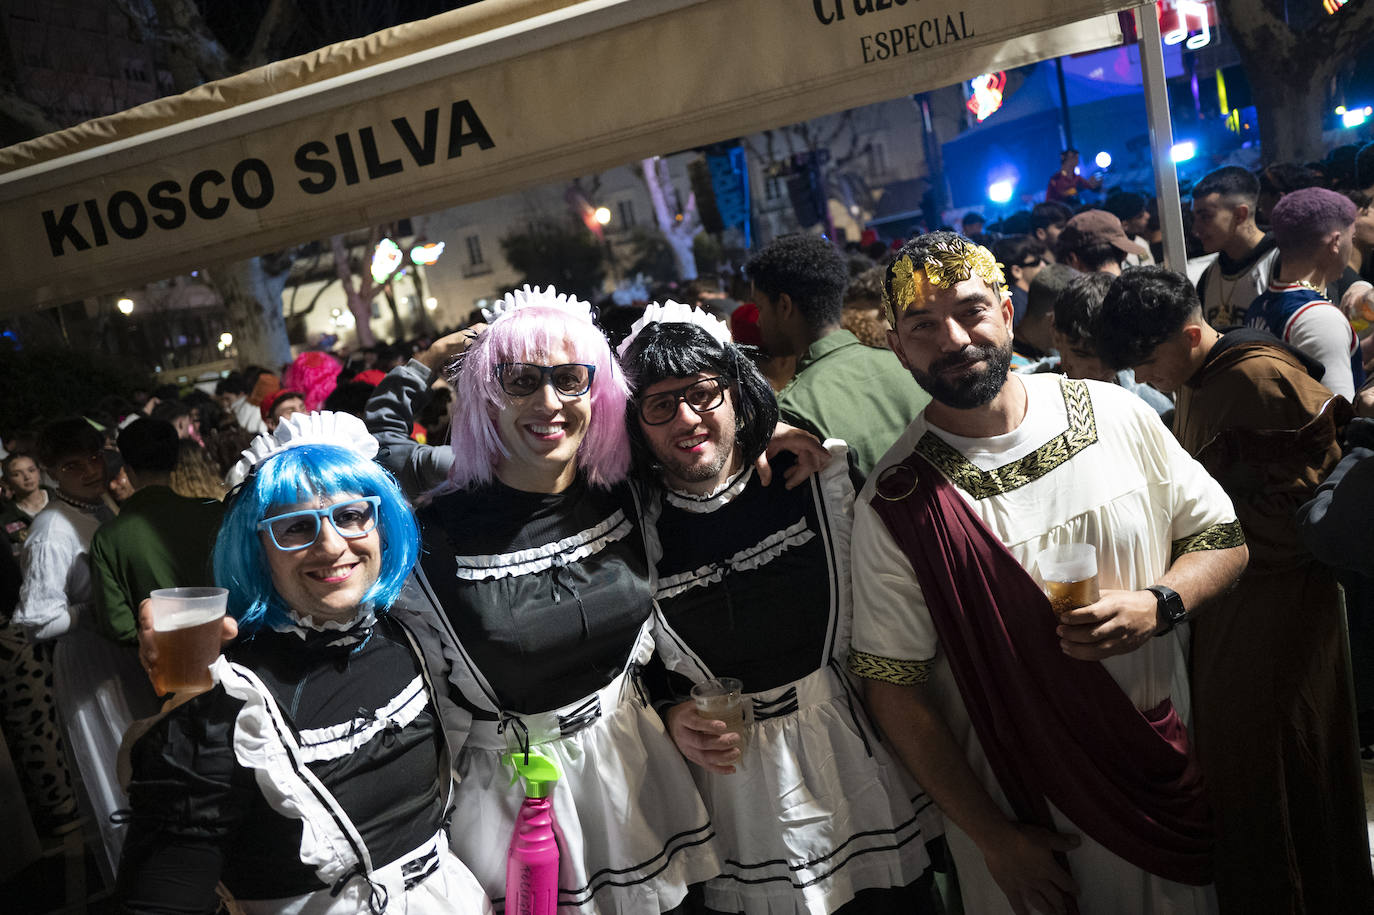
(972, 390)
(680, 469)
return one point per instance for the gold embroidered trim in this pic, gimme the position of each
(1217, 537)
(888, 670)
(983, 484)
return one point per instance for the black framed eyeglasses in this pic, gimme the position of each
(1035, 263)
(521, 379)
(702, 396)
(300, 529)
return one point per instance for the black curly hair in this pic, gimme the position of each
(1144, 307)
(809, 269)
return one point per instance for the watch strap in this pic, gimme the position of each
(1170, 608)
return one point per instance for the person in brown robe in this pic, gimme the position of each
(1273, 712)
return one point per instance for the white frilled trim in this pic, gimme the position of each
(537, 559)
(765, 552)
(322, 428)
(356, 629)
(343, 738)
(701, 504)
(671, 312)
(836, 493)
(527, 296)
(263, 743)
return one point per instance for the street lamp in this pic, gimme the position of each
(602, 215)
(125, 306)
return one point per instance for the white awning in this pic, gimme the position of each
(468, 105)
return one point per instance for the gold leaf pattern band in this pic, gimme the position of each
(888, 670)
(1217, 537)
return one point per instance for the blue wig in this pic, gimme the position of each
(297, 475)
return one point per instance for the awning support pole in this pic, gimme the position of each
(1161, 138)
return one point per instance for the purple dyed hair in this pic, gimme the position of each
(1302, 218)
(540, 323)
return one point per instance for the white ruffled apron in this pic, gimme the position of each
(632, 829)
(428, 879)
(817, 809)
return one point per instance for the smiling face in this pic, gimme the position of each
(81, 476)
(542, 432)
(696, 450)
(327, 580)
(956, 342)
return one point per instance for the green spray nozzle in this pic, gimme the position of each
(539, 772)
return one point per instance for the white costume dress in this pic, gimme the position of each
(1091, 463)
(754, 584)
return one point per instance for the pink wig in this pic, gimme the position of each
(539, 323)
(314, 374)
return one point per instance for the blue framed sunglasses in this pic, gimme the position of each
(298, 530)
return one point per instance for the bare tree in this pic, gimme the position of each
(1293, 53)
(360, 293)
(680, 228)
(840, 141)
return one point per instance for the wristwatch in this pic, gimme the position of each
(1170, 608)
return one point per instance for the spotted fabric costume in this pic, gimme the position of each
(28, 715)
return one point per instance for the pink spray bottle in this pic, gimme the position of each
(532, 862)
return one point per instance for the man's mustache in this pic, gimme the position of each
(968, 354)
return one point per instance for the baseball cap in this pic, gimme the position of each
(1096, 227)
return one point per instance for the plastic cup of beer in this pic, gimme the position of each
(722, 699)
(186, 633)
(1070, 574)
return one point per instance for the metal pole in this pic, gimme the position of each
(1161, 138)
(1065, 124)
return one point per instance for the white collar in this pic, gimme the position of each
(703, 503)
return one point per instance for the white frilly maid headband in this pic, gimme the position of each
(342, 429)
(548, 297)
(671, 312)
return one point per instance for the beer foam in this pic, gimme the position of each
(169, 620)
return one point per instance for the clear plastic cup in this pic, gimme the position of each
(722, 699)
(1069, 571)
(186, 632)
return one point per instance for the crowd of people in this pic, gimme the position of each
(535, 535)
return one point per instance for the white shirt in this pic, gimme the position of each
(1090, 462)
(249, 416)
(57, 571)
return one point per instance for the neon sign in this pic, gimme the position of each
(1188, 16)
(985, 94)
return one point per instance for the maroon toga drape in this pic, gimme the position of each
(1053, 728)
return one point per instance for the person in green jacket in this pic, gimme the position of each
(158, 540)
(842, 389)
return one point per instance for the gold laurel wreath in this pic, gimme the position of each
(946, 264)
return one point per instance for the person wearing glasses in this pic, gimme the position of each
(534, 558)
(1023, 257)
(812, 813)
(314, 775)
